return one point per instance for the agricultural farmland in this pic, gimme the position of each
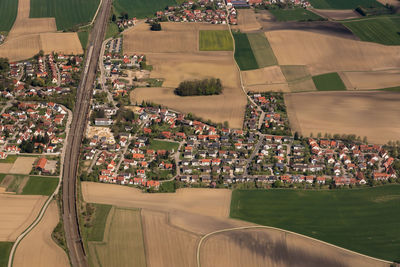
(348, 113)
(141, 9)
(343, 4)
(294, 14)
(329, 82)
(5, 249)
(247, 21)
(8, 13)
(305, 212)
(262, 50)
(383, 30)
(371, 80)
(244, 55)
(38, 185)
(212, 40)
(68, 13)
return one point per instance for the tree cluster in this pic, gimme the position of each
(211, 86)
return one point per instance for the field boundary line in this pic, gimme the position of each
(281, 230)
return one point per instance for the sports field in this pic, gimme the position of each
(139, 8)
(383, 30)
(8, 13)
(343, 4)
(37, 185)
(294, 14)
(262, 50)
(243, 53)
(215, 41)
(338, 216)
(68, 13)
(329, 82)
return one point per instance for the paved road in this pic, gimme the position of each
(70, 217)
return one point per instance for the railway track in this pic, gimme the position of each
(85, 89)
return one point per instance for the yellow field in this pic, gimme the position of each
(323, 53)
(38, 248)
(367, 113)
(28, 36)
(123, 240)
(17, 212)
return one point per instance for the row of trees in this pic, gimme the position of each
(211, 86)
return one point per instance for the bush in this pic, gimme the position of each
(155, 27)
(199, 87)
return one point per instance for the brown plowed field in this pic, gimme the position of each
(371, 114)
(268, 75)
(247, 21)
(23, 165)
(268, 247)
(372, 80)
(324, 53)
(28, 36)
(17, 212)
(38, 248)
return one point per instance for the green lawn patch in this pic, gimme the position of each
(262, 50)
(83, 37)
(362, 220)
(9, 159)
(38, 185)
(382, 30)
(244, 55)
(8, 13)
(215, 41)
(5, 249)
(112, 30)
(2, 176)
(96, 232)
(163, 145)
(294, 14)
(68, 13)
(343, 4)
(141, 9)
(329, 82)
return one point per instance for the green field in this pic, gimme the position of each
(244, 55)
(343, 4)
(362, 220)
(5, 249)
(215, 41)
(139, 8)
(68, 13)
(329, 82)
(8, 13)
(382, 30)
(294, 14)
(38, 185)
(96, 232)
(83, 38)
(163, 145)
(112, 30)
(262, 50)
(9, 159)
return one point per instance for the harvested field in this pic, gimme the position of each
(166, 245)
(295, 72)
(28, 36)
(337, 14)
(23, 165)
(123, 243)
(348, 113)
(199, 201)
(303, 85)
(268, 247)
(321, 52)
(268, 75)
(174, 38)
(5, 167)
(247, 21)
(371, 80)
(38, 248)
(17, 212)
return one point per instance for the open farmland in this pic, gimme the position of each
(346, 112)
(67, 13)
(382, 30)
(8, 13)
(215, 41)
(243, 53)
(17, 213)
(123, 240)
(38, 248)
(294, 14)
(141, 9)
(305, 212)
(371, 80)
(329, 82)
(247, 21)
(320, 52)
(38, 185)
(335, 14)
(263, 79)
(262, 50)
(5, 249)
(23, 165)
(343, 4)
